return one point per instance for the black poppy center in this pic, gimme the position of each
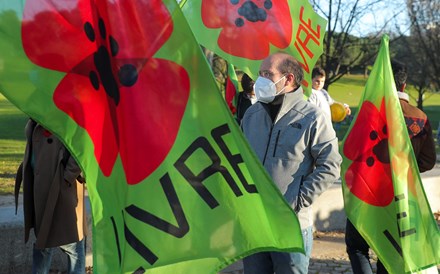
(127, 74)
(251, 12)
(381, 151)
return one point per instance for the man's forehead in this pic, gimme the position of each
(270, 64)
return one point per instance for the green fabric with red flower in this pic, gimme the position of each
(382, 188)
(244, 32)
(126, 88)
(369, 175)
(241, 25)
(110, 79)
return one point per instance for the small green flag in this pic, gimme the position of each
(173, 184)
(231, 89)
(383, 192)
(246, 32)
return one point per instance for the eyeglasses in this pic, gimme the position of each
(269, 74)
(266, 74)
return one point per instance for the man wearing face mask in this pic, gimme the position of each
(298, 147)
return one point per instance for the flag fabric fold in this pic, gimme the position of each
(383, 191)
(174, 186)
(246, 32)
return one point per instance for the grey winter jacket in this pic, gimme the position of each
(299, 150)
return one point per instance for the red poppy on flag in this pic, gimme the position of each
(245, 32)
(107, 75)
(242, 22)
(369, 174)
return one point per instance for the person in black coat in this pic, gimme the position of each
(246, 98)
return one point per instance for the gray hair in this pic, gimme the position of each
(291, 65)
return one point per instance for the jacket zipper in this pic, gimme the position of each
(297, 197)
(270, 133)
(276, 143)
(268, 144)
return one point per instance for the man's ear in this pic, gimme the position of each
(290, 79)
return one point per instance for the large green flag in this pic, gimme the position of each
(174, 186)
(246, 32)
(383, 192)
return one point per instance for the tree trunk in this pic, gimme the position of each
(420, 100)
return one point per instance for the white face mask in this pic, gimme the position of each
(265, 89)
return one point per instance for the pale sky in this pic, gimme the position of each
(373, 17)
(394, 13)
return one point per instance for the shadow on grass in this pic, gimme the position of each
(12, 156)
(354, 81)
(7, 175)
(13, 126)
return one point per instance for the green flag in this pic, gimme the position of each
(231, 89)
(174, 186)
(383, 192)
(246, 32)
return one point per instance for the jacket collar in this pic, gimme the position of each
(289, 101)
(403, 96)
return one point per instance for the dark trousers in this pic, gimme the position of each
(357, 250)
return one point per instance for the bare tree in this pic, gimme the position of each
(408, 51)
(349, 41)
(425, 32)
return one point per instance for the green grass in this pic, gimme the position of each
(348, 90)
(12, 144)
(12, 121)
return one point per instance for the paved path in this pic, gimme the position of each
(328, 255)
